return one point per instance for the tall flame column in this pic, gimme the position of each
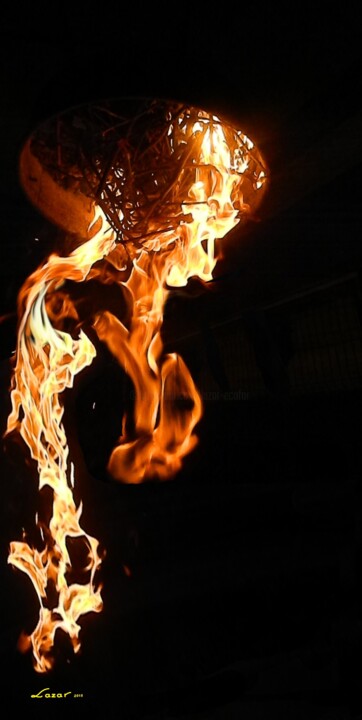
(160, 187)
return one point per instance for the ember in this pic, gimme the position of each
(159, 188)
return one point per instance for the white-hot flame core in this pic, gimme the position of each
(48, 359)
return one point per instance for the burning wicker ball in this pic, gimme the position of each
(136, 159)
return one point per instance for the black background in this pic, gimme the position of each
(244, 597)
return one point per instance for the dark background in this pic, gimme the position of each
(245, 589)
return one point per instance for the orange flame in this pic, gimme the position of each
(47, 361)
(167, 404)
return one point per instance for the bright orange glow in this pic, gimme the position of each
(167, 405)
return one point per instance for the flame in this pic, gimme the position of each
(167, 405)
(47, 362)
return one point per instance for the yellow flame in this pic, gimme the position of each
(47, 362)
(48, 359)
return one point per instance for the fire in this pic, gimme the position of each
(167, 405)
(47, 362)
